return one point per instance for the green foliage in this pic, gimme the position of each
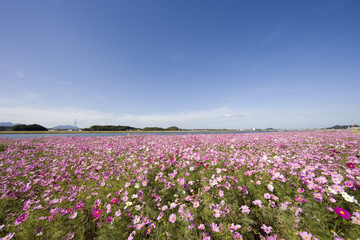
(2, 147)
(31, 127)
(153, 129)
(109, 128)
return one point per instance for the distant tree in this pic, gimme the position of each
(109, 128)
(173, 128)
(31, 127)
(342, 126)
(4, 128)
(153, 129)
(36, 127)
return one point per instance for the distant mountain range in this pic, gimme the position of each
(65, 127)
(7, 124)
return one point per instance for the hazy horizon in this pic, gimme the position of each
(195, 65)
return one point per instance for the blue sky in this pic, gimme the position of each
(193, 64)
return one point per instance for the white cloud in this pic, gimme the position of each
(51, 117)
(5, 100)
(86, 117)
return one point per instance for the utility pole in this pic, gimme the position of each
(75, 124)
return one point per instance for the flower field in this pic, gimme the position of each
(295, 185)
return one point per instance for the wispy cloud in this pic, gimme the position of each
(5, 100)
(270, 37)
(230, 115)
(20, 74)
(274, 89)
(261, 64)
(32, 96)
(64, 83)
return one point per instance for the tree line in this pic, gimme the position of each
(94, 128)
(24, 127)
(128, 128)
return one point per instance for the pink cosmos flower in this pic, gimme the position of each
(118, 213)
(245, 209)
(214, 227)
(330, 209)
(181, 181)
(72, 215)
(266, 228)
(196, 204)
(69, 236)
(237, 236)
(305, 235)
(318, 197)
(257, 202)
(300, 198)
(8, 236)
(342, 213)
(206, 236)
(172, 218)
(79, 206)
(51, 217)
(234, 227)
(216, 213)
(201, 226)
(221, 193)
(349, 184)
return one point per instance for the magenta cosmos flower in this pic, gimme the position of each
(114, 200)
(96, 213)
(109, 219)
(351, 165)
(342, 213)
(21, 218)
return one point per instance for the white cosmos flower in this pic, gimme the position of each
(348, 198)
(270, 187)
(127, 204)
(332, 190)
